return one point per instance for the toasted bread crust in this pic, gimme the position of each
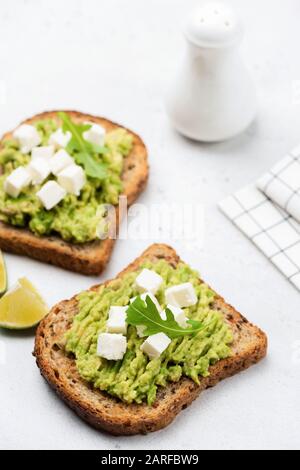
(109, 414)
(88, 258)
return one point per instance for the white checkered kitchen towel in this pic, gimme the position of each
(269, 214)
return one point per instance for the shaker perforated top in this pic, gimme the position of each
(213, 25)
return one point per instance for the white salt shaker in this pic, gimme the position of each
(212, 97)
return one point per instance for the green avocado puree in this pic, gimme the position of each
(136, 378)
(75, 219)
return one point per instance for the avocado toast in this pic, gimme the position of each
(62, 246)
(65, 352)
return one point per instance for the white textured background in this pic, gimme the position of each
(114, 58)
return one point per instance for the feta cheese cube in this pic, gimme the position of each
(155, 345)
(179, 315)
(111, 346)
(182, 295)
(60, 161)
(148, 281)
(95, 135)
(59, 138)
(27, 137)
(16, 181)
(39, 169)
(45, 152)
(51, 194)
(140, 330)
(116, 322)
(72, 178)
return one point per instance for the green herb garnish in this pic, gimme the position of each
(85, 153)
(146, 314)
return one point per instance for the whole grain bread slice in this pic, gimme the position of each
(107, 413)
(88, 258)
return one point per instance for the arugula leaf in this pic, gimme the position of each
(146, 314)
(84, 152)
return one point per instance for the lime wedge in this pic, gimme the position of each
(3, 275)
(22, 306)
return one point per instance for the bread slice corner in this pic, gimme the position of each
(88, 258)
(110, 414)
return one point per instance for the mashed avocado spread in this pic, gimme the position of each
(75, 219)
(135, 378)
